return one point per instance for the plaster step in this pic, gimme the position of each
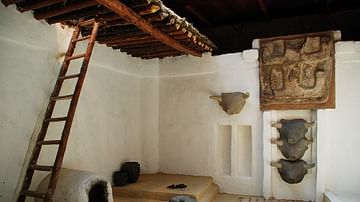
(210, 194)
(154, 187)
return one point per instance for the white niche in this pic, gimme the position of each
(234, 150)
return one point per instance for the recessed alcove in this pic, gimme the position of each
(223, 150)
(234, 150)
(244, 150)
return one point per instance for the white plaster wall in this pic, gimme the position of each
(28, 64)
(107, 127)
(149, 107)
(189, 119)
(339, 161)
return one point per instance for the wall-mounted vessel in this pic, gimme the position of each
(292, 172)
(292, 130)
(231, 103)
(292, 152)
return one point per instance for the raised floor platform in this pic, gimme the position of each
(153, 188)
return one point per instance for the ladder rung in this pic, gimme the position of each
(81, 39)
(33, 167)
(69, 76)
(87, 22)
(75, 57)
(42, 168)
(64, 97)
(49, 142)
(56, 119)
(33, 194)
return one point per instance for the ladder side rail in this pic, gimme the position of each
(66, 132)
(49, 110)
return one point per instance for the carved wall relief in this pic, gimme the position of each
(297, 72)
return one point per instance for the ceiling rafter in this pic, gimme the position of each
(39, 15)
(128, 14)
(126, 24)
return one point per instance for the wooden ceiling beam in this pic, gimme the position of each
(161, 57)
(140, 46)
(28, 5)
(126, 13)
(127, 43)
(155, 54)
(135, 3)
(87, 12)
(142, 11)
(150, 9)
(123, 29)
(149, 50)
(154, 46)
(133, 30)
(9, 2)
(144, 40)
(190, 43)
(39, 15)
(157, 43)
(115, 20)
(152, 53)
(132, 35)
(129, 39)
(106, 38)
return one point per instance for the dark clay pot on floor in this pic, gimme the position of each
(120, 178)
(133, 171)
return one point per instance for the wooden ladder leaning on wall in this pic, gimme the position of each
(55, 96)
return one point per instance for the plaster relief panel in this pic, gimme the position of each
(297, 72)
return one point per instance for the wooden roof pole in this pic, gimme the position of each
(128, 14)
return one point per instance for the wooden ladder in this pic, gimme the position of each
(55, 96)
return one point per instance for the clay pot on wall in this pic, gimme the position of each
(292, 130)
(293, 145)
(231, 103)
(292, 152)
(292, 172)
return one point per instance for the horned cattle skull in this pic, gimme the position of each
(293, 130)
(292, 152)
(231, 103)
(292, 172)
